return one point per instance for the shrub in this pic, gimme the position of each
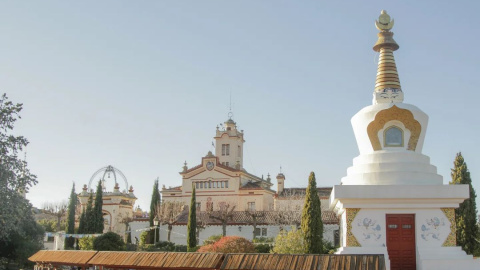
(109, 241)
(328, 248)
(262, 248)
(181, 248)
(86, 243)
(291, 242)
(165, 246)
(263, 240)
(230, 244)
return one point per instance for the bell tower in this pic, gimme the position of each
(229, 144)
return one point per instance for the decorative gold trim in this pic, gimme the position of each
(351, 239)
(451, 240)
(394, 113)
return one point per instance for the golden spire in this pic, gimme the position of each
(387, 84)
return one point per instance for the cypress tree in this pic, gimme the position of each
(312, 225)
(468, 233)
(89, 215)
(82, 223)
(155, 201)
(192, 223)
(72, 205)
(97, 210)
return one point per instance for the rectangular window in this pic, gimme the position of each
(264, 231)
(224, 147)
(227, 164)
(226, 184)
(227, 151)
(214, 184)
(251, 206)
(209, 184)
(198, 205)
(223, 185)
(257, 232)
(196, 185)
(201, 184)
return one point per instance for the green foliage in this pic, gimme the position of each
(154, 202)
(48, 225)
(20, 246)
(89, 216)
(328, 247)
(109, 241)
(163, 246)
(312, 226)
(212, 239)
(184, 248)
(82, 224)
(192, 223)
(143, 240)
(230, 244)
(291, 242)
(70, 228)
(86, 243)
(267, 240)
(468, 233)
(263, 244)
(97, 225)
(20, 236)
(262, 248)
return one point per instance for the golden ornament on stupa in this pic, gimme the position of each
(387, 76)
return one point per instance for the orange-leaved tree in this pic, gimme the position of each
(230, 244)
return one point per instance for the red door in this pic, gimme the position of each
(401, 241)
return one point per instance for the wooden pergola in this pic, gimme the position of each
(119, 260)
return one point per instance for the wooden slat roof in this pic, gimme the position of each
(158, 260)
(302, 262)
(73, 257)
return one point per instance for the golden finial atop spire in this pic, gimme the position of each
(384, 23)
(387, 84)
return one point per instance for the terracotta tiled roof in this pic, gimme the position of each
(323, 192)
(178, 188)
(251, 185)
(262, 217)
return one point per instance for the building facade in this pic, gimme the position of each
(221, 182)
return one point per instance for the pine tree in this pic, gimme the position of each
(154, 203)
(312, 226)
(89, 215)
(468, 233)
(72, 205)
(192, 223)
(97, 210)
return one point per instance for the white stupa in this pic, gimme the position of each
(392, 200)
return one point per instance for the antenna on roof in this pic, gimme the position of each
(280, 168)
(230, 113)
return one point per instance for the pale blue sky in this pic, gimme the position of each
(141, 85)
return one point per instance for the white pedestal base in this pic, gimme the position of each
(445, 258)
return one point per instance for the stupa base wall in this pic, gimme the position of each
(375, 219)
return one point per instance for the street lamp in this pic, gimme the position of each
(155, 222)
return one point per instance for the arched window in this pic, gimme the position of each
(393, 137)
